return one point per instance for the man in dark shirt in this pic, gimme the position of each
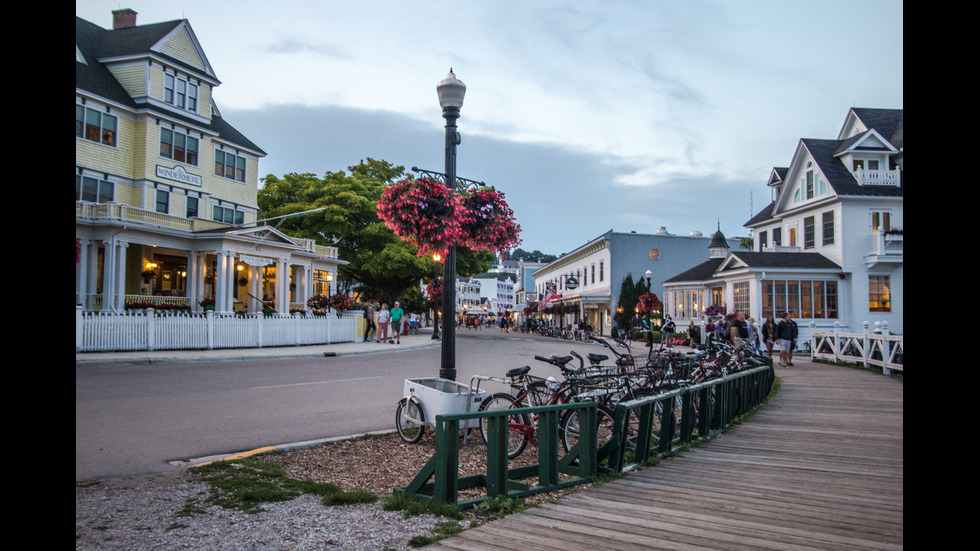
(786, 334)
(738, 330)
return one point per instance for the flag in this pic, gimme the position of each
(544, 302)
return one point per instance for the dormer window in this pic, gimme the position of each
(180, 92)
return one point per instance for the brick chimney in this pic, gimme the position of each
(123, 19)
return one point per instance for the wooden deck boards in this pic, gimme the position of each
(819, 468)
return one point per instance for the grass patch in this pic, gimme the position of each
(500, 507)
(249, 483)
(412, 506)
(439, 531)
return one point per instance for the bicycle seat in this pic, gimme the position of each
(597, 358)
(561, 359)
(518, 371)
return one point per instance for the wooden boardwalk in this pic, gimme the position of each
(818, 468)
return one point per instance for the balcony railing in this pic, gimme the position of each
(867, 177)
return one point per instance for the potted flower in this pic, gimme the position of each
(318, 304)
(341, 302)
(208, 304)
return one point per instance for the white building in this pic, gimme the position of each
(829, 248)
(598, 269)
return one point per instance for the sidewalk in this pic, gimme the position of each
(422, 340)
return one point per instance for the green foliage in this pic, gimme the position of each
(500, 507)
(439, 531)
(626, 306)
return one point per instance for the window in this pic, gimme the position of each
(163, 201)
(95, 126)
(828, 228)
(881, 221)
(777, 237)
(229, 165)
(810, 299)
(227, 215)
(741, 300)
(177, 146)
(809, 232)
(763, 236)
(93, 190)
(593, 273)
(879, 293)
(809, 184)
(792, 236)
(180, 92)
(601, 271)
(192, 206)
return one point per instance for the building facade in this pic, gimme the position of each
(166, 189)
(589, 278)
(829, 248)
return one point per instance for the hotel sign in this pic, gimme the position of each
(178, 174)
(255, 260)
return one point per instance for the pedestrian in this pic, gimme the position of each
(369, 323)
(786, 333)
(413, 323)
(738, 330)
(383, 317)
(769, 333)
(396, 323)
(753, 335)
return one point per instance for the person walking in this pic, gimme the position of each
(369, 323)
(396, 323)
(769, 334)
(383, 317)
(753, 334)
(786, 333)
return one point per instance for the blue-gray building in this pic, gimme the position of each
(589, 278)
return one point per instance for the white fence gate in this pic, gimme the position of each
(149, 330)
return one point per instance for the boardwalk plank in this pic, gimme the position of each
(819, 467)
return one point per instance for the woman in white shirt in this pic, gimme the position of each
(384, 316)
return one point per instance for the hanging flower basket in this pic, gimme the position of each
(487, 222)
(420, 212)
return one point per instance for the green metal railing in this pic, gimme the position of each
(705, 409)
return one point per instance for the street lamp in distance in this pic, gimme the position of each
(435, 307)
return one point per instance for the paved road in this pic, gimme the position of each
(140, 413)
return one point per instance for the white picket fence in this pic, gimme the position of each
(868, 348)
(150, 330)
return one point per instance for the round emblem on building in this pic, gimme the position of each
(654, 254)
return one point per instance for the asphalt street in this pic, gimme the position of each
(147, 412)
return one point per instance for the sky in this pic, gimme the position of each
(589, 115)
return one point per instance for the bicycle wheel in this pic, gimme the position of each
(519, 426)
(410, 420)
(569, 427)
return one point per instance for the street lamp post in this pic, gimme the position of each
(435, 326)
(649, 275)
(451, 92)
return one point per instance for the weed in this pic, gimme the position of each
(412, 506)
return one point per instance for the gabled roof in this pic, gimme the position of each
(842, 180)
(890, 123)
(94, 45)
(794, 260)
(701, 272)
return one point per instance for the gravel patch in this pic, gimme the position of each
(146, 512)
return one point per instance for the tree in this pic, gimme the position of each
(379, 264)
(626, 306)
(531, 256)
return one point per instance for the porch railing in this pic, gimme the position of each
(868, 348)
(150, 330)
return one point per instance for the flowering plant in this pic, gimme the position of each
(341, 301)
(426, 213)
(420, 212)
(647, 303)
(715, 311)
(434, 290)
(487, 222)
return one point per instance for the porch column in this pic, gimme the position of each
(120, 283)
(195, 280)
(282, 286)
(222, 282)
(254, 289)
(81, 274)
